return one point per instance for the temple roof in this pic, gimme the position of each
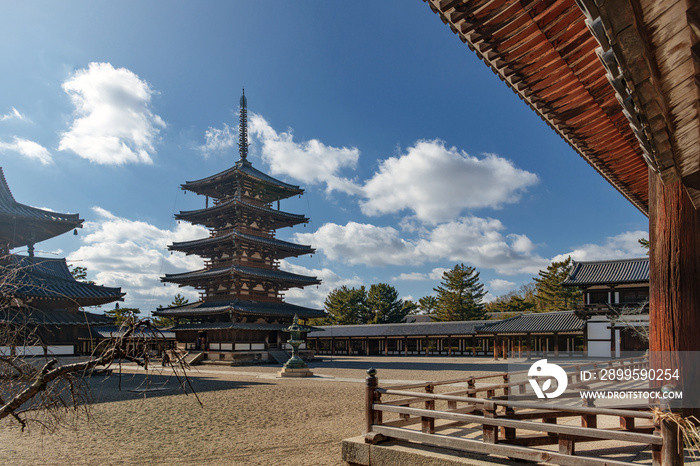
(288, 278)
(542, 322)
(200, 246)
(238, 326)
(240, 306)
(54, 317)
(223, 184)
(612, 272)
(45, 279)
(21, 224)
(208, 216)
(454, 328)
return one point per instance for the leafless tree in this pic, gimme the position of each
(40, 388)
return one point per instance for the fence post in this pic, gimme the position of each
(490, 433)
(428, 423)
(371, 382)
(672, 448)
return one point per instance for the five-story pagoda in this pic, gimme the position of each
(242, 307)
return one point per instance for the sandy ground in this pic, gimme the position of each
(248, 416)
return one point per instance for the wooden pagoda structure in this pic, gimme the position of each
(40, 294)
(242, 308)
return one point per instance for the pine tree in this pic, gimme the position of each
(461, 295)
(551, 295)
(427, 304)
(384, 304)
(347, 306)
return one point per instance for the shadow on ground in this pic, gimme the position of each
(130, 386)
(426, 365)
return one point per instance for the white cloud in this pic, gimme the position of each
(413, 276)
(500, 285)
(29, 149)
(622, 246)
(315, 296)
(218, 140)
(472, 240)
(132, 255)
(13, 114)
(114, 123)
(438, 183)
(310, 162)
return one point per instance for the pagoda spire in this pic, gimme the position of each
(243, 128)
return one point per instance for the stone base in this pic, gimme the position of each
(289, 372)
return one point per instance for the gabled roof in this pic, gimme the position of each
(223, 184)
(288, 278)
(544, 322)
(112, 331)
(50, 279)
(21, 224)
(612, 272)
(240, 306)
(281, 248)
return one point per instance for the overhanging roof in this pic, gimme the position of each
(456, 328)
(21, 224)
(54, 317)
(544, 51)
(613, 272)
(544, 322)
(240, 306)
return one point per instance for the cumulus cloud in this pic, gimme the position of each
(473, 240)
(315, 296)
(29, 149)
(132, 255)
(413, 276)
(310, 162)
(500, 285)
(437, 183)
(218, 140)
(622, 246)
(113, 122)
(13, 114)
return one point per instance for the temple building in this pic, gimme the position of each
(40, 294)
(241, 312)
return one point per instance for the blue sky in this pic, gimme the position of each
(413, 154)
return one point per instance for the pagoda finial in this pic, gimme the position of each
(243, 128)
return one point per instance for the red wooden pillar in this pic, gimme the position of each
(674, 294)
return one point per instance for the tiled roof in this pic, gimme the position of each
(186, 246)
(240, 306)
(613, 272)
(456, 328)
(544, 322)
(242, 270)
(43, 278)
(54, 317)
(236, 326)
(21, 224)
(111, 331)
(191, 215)
(246, 169)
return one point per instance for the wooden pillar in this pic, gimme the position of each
(506, 343)
(405, 346)
(529, 345)
(473, 345)
(449, 345)
(495, 347)
(367, 346)
(674, 295)
(386, 346)
(520, 347)
(556, 345)
(332, 347)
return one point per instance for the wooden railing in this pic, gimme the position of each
(495, 412)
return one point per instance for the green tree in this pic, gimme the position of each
(515, 302)
(551, 295)
(460, 296)
(384, 304)
(410, 307)
(427, 304)
(80, 274)
(346, 306)
(122, 314)
(643, 242)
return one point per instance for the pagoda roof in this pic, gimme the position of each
(53, 317)
(612, 272)
(221, 184)
(46, 279)
(292, 279)
(285, 248)
(21, 224)
(240, 306)
(207, 216)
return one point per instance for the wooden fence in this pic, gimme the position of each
(509, 427)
